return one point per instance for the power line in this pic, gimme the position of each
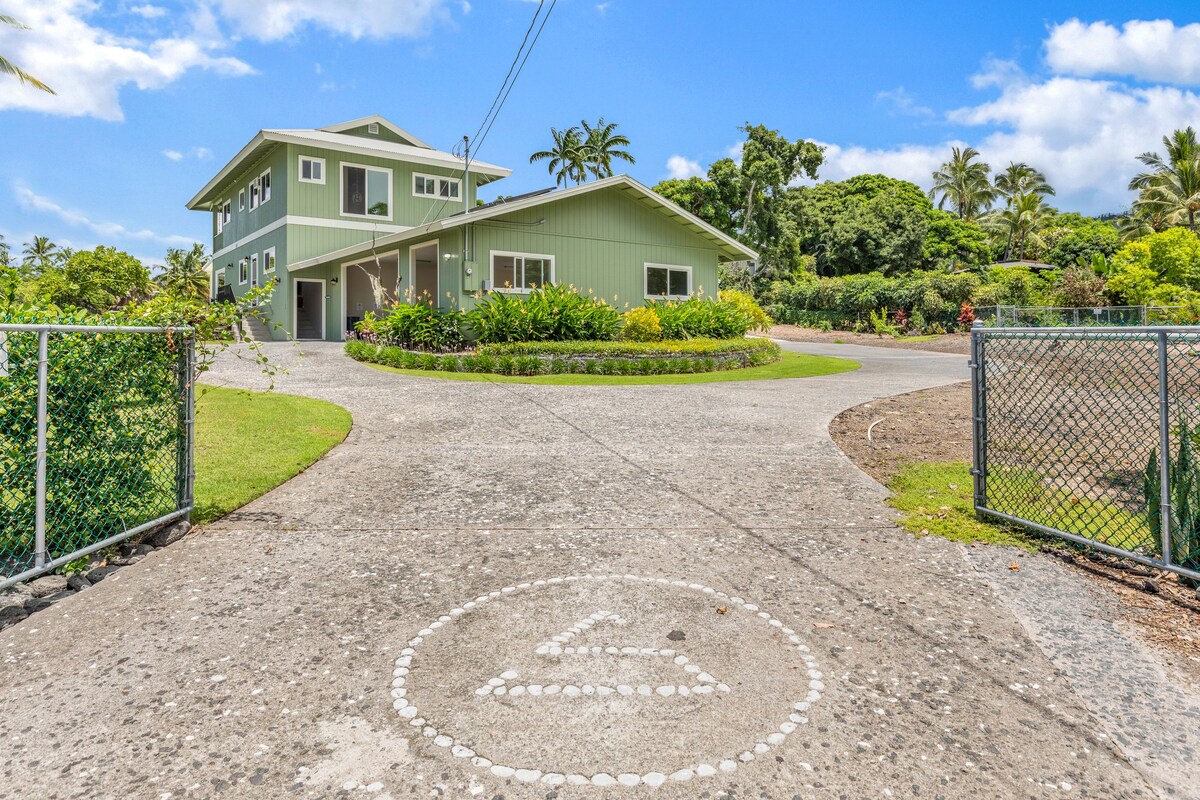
(510, 80)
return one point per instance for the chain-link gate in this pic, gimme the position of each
(96, 439)
(1092, 435)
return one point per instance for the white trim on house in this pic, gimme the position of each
(254, 274)
(377, 120)
(241, 199)
(264, 189)
(243, 266)
(437, 269)
(514, 255)
(313, 161)
(268, 260)
(316, 222)
(649, 265)
(391, 199)
(343, 143)
(296, 300)
(438, 181)
(345, 271)
(731, 247)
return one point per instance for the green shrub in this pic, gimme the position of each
(548, 314)
(417, 326)
(715, 347)
(641, 325)
(748, 307)
(698, 317)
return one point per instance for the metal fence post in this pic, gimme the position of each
(978, 417)
(1164, 448)
(189, 495)
(39, 524)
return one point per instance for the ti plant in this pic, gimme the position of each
(1184, 496)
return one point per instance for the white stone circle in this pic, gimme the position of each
(797, 714)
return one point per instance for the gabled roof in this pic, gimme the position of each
(331, 139)
(727, 246)
(381, 122)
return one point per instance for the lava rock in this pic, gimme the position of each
(1150, 586)
(47, 585)
(100, 573)
(36, 604)
(78, 582)
(11, 614)
(170, 534)
(144, 549)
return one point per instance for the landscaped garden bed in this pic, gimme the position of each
(556, 330)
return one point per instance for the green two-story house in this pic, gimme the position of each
(359, 216)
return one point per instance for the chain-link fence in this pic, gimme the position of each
(1066, 316)
(1092, 435)
(96, 435)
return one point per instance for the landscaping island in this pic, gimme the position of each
(557, 335)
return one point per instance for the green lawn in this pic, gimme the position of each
(791, 365)
(938, 498)
(247, 443)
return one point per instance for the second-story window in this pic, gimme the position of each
(312, 170)
(264, 184)
(433, 186)
(253, 194)
(366, 191)
(242, 200)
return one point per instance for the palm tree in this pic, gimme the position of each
(185, 274)
(600, 147)
(5, 255)
(568, 160)
(41, 255)
(964, 183)
(1021, 220)
(1019, 180)
(9, 68)
(1140, 222)
(1172, 187)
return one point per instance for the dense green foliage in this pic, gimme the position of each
(416, 326)
(589, 358)
(550, 313)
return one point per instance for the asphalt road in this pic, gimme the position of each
(505, 590)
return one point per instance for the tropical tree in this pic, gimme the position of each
(40, 255)
(97, 280)
(5, 253)
(185, 274)
(1020, 222)
(1019, 178)
(568, 159)
(963, 183)
(1172, 186)
(9, 68)
(601, 145)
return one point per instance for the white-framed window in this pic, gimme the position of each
(268, 260)
(219, 217)
(254, 269)
(668, 281)
(520, 272)
(264, 186)
(434, 186)
(254, 194)
(242, 200)
(220, 277)
(224, 215)
(243, 271)
(366, 191)
(312, 170)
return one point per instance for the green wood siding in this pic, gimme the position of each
(245, 223)
(600, 241)
(324, 200)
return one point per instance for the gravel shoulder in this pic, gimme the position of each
(955, 343)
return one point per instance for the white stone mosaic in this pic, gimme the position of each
(699, 682)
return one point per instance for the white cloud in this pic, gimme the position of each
(903, 103)
(173, 155)
(268, 20)
(148, 11)
(602, 8)
(683, 168)
(202, 153)
(109, 232)
(1148, 50)
(909, 162)
(88, 66)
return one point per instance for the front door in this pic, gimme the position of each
(310, 309)
(425, 273)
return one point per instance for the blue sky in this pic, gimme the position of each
(154, 97)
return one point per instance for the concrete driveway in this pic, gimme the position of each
(505, 590)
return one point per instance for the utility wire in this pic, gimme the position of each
(510, 80)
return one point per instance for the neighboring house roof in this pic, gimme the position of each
(344, 143)
(1037, 265)
(727, 246)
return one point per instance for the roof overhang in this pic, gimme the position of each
(728, 247)
(265, 140)
(378, 120)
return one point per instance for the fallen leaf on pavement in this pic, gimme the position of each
(1015, 567)
(822, 625)
(723, 610)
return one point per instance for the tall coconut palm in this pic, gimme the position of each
(567, 158)
(1172, 186)
(185, 274)
(1020, 222)
(601, 145)
(963, 182)
(40, 255)
(1019, 178)
(9, 68)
